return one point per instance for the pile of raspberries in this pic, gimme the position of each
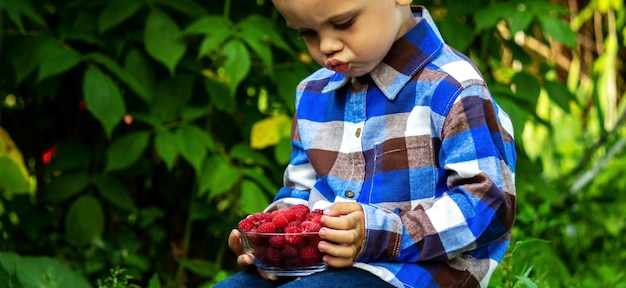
(295, 238)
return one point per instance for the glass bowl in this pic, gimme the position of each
(285, 254)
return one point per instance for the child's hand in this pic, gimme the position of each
(343, 233)
(244, 258)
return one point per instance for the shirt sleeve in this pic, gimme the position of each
(476, 159)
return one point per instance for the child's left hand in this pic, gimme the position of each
(343, 233)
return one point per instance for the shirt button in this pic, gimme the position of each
(358, 133)
(350, 194)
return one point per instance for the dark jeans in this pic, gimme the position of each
(331, 278)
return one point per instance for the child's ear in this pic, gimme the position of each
(404, 2)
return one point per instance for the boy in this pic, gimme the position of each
(399, 140)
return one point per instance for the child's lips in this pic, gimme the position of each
(337, 66)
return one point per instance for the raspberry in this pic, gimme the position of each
(301, 211)
(273, 256)
(289, 251)
(267, 227)
(310, 254)
(310, 226)
(246, 224)
(280, 220)
(262, 217)
(277, 241)
(293, 236)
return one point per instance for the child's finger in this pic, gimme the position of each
(343, 208)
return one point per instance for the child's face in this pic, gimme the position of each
(348, 36)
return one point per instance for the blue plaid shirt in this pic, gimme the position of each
(420, 143)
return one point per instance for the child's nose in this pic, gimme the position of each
(330, 45)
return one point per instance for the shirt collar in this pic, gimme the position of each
(407, 56)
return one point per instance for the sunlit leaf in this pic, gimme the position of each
(116, 12)
(237, 65)
(269, 131)
(124, 151)
(520, 20)
(103, 99)
(113, 191)
(13, 174)
(84, 221)
(165, 146)
(216, 176)
(163, 39)
(66, 186)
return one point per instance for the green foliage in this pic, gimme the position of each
(142, 131)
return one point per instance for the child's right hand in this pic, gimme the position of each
(244, 258)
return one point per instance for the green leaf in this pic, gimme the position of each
(126, 150)
(282, 150)
(42, 272)
(237, 63)
(84, 221)
(217, 89)
(138, 65)
(56, 59)
(559, 94)
(188, 7)
(488, 17)
(103, 99)
(192, 144)
(558, 29)
(252, 198)
(163, 39)
(165, 146)
(527, 87)
(120, 72)
(248, 156)
(254, 31)
(66, 186)
(25, 56)
(190, 113)
(457, 34)
(259, 177)
(171, 96)
(209, 24)
(154, 282)
(520, 20)
(70, 155)
(150, 119)
(199, 267)
(113, 191)
(217, 176)
(213, 41)
(16, 8)
(116, 12)
(11, 177)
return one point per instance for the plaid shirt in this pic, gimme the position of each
(420, 143)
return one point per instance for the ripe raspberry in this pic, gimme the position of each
(309, 254)
(246, 224)
(277, 241)
(301, 211)
(310, 226)
(280, 220)
(267, 227)
(293, 236)
(289, 251)
(273, 256)
(262, 217)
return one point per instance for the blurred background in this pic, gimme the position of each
(134, 134)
